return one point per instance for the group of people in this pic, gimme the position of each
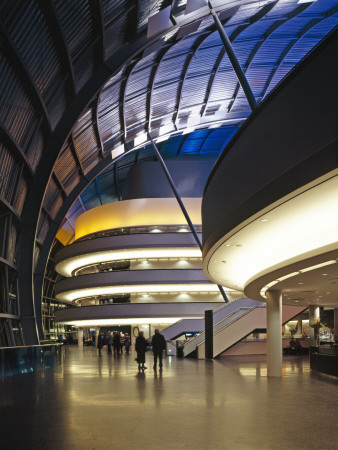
(116, 341)
(158, 345)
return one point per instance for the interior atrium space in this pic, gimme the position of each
(169, 188)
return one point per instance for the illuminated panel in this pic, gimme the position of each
(139, 212)
(131, 289)
(298, 228)
(67, 267)
(137, 321)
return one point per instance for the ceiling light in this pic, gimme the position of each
(136, 321)
(183, 230)
(290, 275)
(317, 266)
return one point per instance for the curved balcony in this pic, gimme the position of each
(135, 282)
(133, 313)
(114, 248)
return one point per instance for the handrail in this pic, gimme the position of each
(200, 338)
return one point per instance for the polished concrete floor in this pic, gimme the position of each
(91, 402)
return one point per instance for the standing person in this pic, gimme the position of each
(126, 342)
(116, 343)
(158, 343)
(141, 347)
(100, 342)
(109, 342)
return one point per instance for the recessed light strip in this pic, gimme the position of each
(137, 289)
(68, 266)
(293, 274)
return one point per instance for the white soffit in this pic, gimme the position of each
(303, 226)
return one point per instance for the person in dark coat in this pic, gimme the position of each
(100, 342)
(117, 343)
(158, 344)
(126, 342)
(109, 342)
(141, 347)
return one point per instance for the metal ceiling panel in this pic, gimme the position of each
(17, 112)
(77, 24)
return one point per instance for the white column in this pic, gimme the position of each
(97, 330)
(274, 333)
(80, 337)
(313, 315)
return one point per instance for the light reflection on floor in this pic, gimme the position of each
(92, 402)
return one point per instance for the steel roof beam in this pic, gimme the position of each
(122, 101)
(75, 155)
(17, 150)
(95, 110)
(96, 9)
(263, 11)
(288, 49)
(55, 28)
(81, 202)
(199, 41)
(116, 181)
(233, 59)
(25, 76)
(98, 190)
(151, 83)
(9, 208)
(60, 185)
(268, 33)
(181, 204)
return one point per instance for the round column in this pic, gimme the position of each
(80, 337)
(97, 332)
(274, 333)
(313, 316)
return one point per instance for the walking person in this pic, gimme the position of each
(141, 347)
(158, 344)
(109, 342)
(100, 343)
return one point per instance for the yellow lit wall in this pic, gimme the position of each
(139, 212)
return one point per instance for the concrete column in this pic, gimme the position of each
(80, 337)
(97, 332)
(274, 333)
(313, 315)
(335, 324)
(149, 330)
(300, 327)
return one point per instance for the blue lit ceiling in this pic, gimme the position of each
(188, 86)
